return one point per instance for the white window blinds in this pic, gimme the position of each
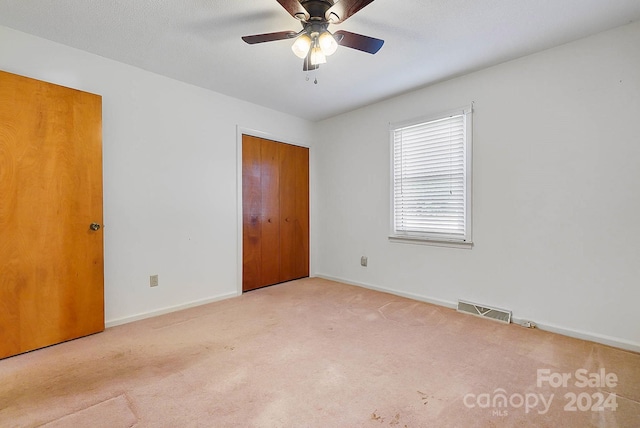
(431, 178)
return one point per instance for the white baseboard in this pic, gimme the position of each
(616, 342)
(445, 303)
(155, 313)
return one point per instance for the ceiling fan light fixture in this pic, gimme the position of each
(317, 56)
(314, 43)
(301, 46)
(327, 43)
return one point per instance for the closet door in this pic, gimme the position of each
(275, 195)
(251, 213)
(294, 219)
(269, 213)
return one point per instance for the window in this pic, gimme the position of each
(431, 179)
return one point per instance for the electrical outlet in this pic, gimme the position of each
(153, 281)
(363, 261)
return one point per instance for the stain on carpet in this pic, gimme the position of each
(412, 314)
(113, 413)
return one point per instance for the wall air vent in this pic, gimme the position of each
(484, 311)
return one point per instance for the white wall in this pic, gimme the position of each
(169, 174)
(556, 192)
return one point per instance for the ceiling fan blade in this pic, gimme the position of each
(295, 9)
(269, 37)
(358, 41)
(343, 9)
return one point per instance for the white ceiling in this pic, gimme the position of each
(426, 41)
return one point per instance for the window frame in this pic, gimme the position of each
(432, 238)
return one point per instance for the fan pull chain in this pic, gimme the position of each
(315, 78)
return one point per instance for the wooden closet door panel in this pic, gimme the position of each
(270, 224)
(288, 218)
(294, 190)
(301, 239)
(251, 213)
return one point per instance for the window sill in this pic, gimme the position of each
(430, 241)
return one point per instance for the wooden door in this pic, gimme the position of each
(294, 217)
(275, 199)
(51, 261)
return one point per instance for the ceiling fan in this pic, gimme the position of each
(314, 42)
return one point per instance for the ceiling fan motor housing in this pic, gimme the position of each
(313, 29)
(317, 9)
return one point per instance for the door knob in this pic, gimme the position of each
(94, 226)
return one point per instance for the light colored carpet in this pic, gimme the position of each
(315, 353)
